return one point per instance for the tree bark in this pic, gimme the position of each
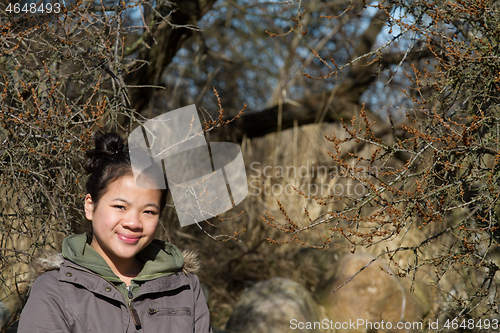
(162, 45)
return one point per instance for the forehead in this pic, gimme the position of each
(126, 188)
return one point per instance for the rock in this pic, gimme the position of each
(313, 264)
(372, 296)
(274, 306)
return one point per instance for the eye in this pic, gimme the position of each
(151, 212)
(119, 207)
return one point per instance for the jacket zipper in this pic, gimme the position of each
(131, 308)
(135, 315)
(152, 312)
(133, 311)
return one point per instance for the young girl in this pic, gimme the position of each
(116, 277)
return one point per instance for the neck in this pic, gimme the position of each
(125, 268)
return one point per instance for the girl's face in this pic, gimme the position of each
(125, 219)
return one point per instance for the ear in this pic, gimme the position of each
(89, 207)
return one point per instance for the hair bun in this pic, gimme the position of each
(108, 146)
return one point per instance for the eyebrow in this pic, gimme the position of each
(147, 205)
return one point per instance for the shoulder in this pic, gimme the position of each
(47, 275)
(47, 284)
(46, 267)
(46, 262)
(45, 292)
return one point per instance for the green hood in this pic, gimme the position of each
(159, 259)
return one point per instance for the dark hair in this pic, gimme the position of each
(109, 161)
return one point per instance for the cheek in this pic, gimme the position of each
(102, 223)
(98, 228)
(151, 227)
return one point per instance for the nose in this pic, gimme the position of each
(132, 221)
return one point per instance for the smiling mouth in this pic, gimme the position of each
(128, 239)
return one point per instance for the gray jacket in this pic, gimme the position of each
(75, 299)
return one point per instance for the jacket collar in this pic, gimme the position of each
(76, 249)
(159, 258)
(51, 260)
